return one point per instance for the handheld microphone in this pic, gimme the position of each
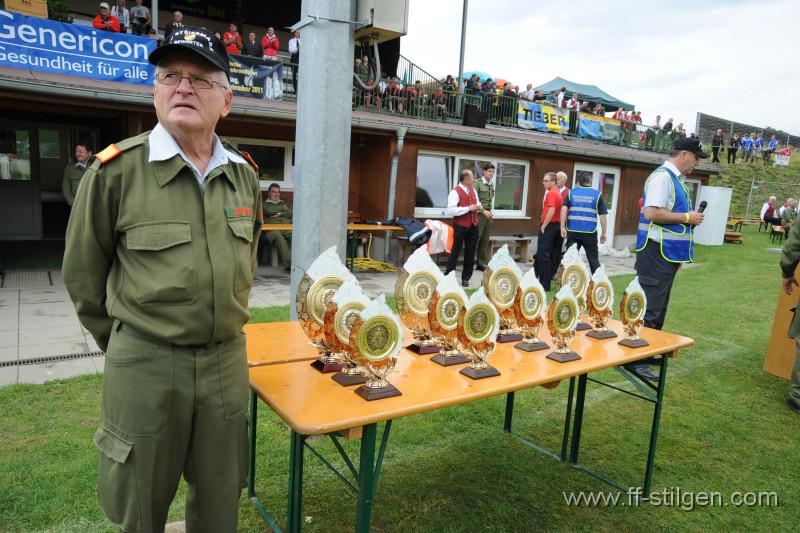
(702, 207)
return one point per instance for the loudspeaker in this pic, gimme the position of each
(474, 117)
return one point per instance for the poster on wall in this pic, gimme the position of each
(256, 78)
(542, 117)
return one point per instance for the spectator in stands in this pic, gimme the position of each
(218, 35)
(528, 94)
(733, 147)
(585, 107)
(449, 89)
(759, 146)
(510, 90)
(748, 143)
(789, 213)
(599, 110)
(538, 97)
(561, 99)
(366, 70)
(251, 47)
(123, 15)
(680, 130)
(105, 21)
(232, 40)
(140, 19)
(573, 104)
(717, 141)
(668, 125)
(177, 22)
(769, 212)
(473, 85)
(270, 44)
(294, 59)
(771, 148)
(414, 97)
(152, 34)
(658, 122)
(619, 114)
(638, 117)
(552, 98)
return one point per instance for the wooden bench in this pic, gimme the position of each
(778, 232)
(733, 236)
(518, 246)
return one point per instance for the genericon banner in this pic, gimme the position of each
(256, 78)
(41, 44)
(542, 117)
(599, 128)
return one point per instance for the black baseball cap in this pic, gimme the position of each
(690, 145)
(199, 41)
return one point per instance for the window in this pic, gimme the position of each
(607, 189)
(275, 160)
(437, 174)
(15, 155)
(49, 146)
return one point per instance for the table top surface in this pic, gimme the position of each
(350, 227)
(312, 403)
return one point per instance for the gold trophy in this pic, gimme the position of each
(529, 308)
(413, 290)
(500, 281)
(320, 282)
(632, 308)
(600, 301)
(478, 326)
(562, 316)
(576, 274)
(376, 338)
(443, 311)
(339, 317)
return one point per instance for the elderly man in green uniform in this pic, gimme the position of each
(789, 260)
(485, 189)
(73, 172)
(160, 253)
(277, 211)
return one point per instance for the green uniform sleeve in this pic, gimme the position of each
(66, 187)
(288, 213)
(89, 254)
(791, 252)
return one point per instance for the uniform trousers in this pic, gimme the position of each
(484, 233)
(656, 275)
(548, 253)
(170, 411)
(587, 241)
(468, 237)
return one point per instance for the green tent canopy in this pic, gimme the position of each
(591, 93)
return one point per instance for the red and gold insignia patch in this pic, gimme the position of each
(239, 212)
(250, 160)
(108, 153)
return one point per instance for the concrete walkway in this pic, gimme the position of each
(41, 338)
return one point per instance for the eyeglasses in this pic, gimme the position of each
(546, 181)
(197, 82)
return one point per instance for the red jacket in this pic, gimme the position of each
(470, 218)
(234, 47)
(270, 46)
(100, 25)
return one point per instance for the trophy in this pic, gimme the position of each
(478, 325)
(376, 337)
(576, 274)
(529, 306)
(413, 291)
(339, 316)
(562, 316)
(500, 281)
(631, 310)
(443, 311)
(599, 301)
(320, 281)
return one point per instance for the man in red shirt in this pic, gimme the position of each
(463, 206)
(105, 20)
(232, 40)
(549, 242)
(270, 44)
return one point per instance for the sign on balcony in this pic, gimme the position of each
(49, 46)
(542, 117)
(256, 77)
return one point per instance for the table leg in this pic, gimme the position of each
(295, 510)
(251, 473)
(366, 479)
(509, 412)
(567, 419)
(576, 428)
(651, 453)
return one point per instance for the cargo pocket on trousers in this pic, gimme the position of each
(233, 378)
(117, 488)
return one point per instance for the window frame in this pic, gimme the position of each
(288, 169)
(455, 159)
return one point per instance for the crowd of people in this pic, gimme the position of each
(779, 215)
(749, 148)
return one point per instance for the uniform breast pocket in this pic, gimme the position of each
(161, 262)
(242, 230)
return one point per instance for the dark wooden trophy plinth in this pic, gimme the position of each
(345, 380)
(563, 357)
(424, 349)
(600, 335)
(634, 343)
(369, 393)
(480, 373)
(531, 346)
(327, 368)
(450, 360)
(509, 337)
(582, 326)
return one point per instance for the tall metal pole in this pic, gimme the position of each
(750, 197)
(460, 81)
(322, 136)
(154, 16)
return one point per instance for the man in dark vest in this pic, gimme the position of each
(485, 189)
(582, 209)
(463, 205)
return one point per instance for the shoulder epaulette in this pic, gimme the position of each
(111, 151)
(245, 155)
(108, 153)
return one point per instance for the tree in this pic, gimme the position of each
(58, 10)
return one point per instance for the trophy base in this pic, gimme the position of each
(345, 380)
(369, 393)
(480, 373)
(563, 357)
(509, 337)
(327, 368)
(449, 360)
(582, 326)
(531, 346)
(423, 349)
(607, 334)
(634, 343)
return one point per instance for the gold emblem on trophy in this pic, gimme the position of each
(600, 302)
(501, 281)
(562, 317)
(320, 282)
(375, 341)
(443, 311)
(478, 326)
(576, 274)
(413, 291)
(529, 308)
(631, 311)
(339, 317)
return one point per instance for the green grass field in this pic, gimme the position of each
(724, 428)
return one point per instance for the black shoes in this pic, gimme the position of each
(464, 284)
(643, 371)
(480, 268)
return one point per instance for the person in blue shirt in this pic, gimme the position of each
(748, 143)
(583, 213)
(771, 148)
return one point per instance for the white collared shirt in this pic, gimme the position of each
(453, 209)
(163, 147)
(659, 193)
